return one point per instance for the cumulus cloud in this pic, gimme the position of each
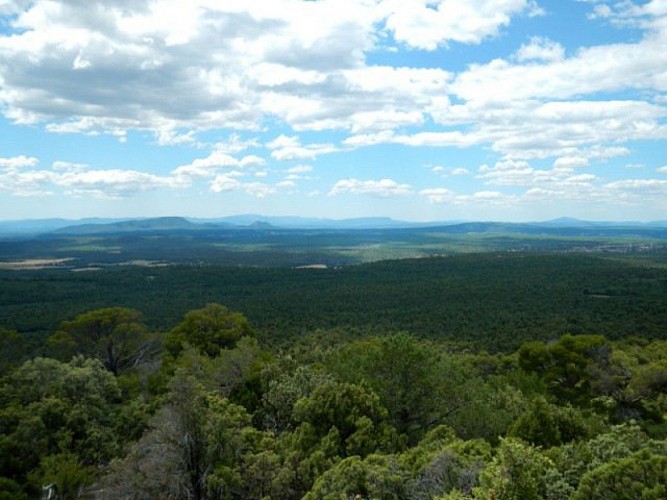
(522, 174)
(18, 162)
(21, 176)
(228, 64)
(222, 65)
(639, 191)
(290, 148)
(113, 183)
(206, 167)
(274, 77)
(383, 188)
(450, 171)
(541, 49)
(426, 24)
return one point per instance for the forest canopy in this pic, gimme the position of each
(393, 416)
(489, 376)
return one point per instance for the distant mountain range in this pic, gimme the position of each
(258, 222)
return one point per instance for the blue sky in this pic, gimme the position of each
(418, 110)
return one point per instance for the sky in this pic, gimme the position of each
(419, 110)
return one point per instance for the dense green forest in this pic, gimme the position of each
(487, 376)
(495, 301)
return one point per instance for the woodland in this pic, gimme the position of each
(503, 375)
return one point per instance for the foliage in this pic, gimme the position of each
(566, 365)
(57, 420)
(377, 476)
(115, 335)
(209, 329)
(412, 380)
(491, 301)
(356, 411)
(521, 471)
(11, 350)
(642, 475)
(284, 389)
(548, 425)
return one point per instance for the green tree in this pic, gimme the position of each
(355, 412)
(576, 458)
(57, 422)
(197, 446)
(441, 462)
(547, 425)
(520, 471)
(284, 389)
(209, 329)
(376, 476)
(413, 380)
(567, 365)
(12, 346)
(115, 335)
(642, 475)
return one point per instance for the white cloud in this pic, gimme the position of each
(225, 64)
(223, 183)
(18, 162)
(211, 69)
(426, 24)
(27, 183)
(540, 49)
(662, 170)
(287, 67)
(236, 144)
(434, 139)
(300, 169)
(383, 188)
(76, 180)
(450, 171)
(444, 196)
(604, 68)
(521, 173)
(385, 119)
(205, 167)
(66, 165)
(534, 129)
(233, 181)
(568, 162)
(290, 148)
(639, 190)
(297, 173)
(112, 183)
